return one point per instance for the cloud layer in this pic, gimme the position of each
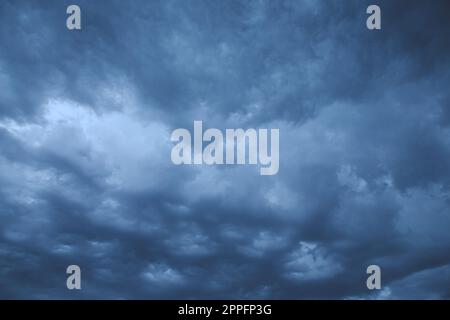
(85, 170)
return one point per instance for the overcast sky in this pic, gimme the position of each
(86, 176)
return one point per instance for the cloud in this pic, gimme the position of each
(85, 170)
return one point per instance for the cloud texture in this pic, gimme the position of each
(85, 170)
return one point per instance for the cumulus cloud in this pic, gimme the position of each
(85, 170)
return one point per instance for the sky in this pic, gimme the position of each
(86, 176)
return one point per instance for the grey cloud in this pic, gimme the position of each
(85, 170)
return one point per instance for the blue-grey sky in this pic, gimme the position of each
(86, 176)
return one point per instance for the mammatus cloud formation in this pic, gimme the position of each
(85, 170)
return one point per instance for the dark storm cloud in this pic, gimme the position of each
(85, 167)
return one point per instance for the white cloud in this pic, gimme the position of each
(311, 262)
